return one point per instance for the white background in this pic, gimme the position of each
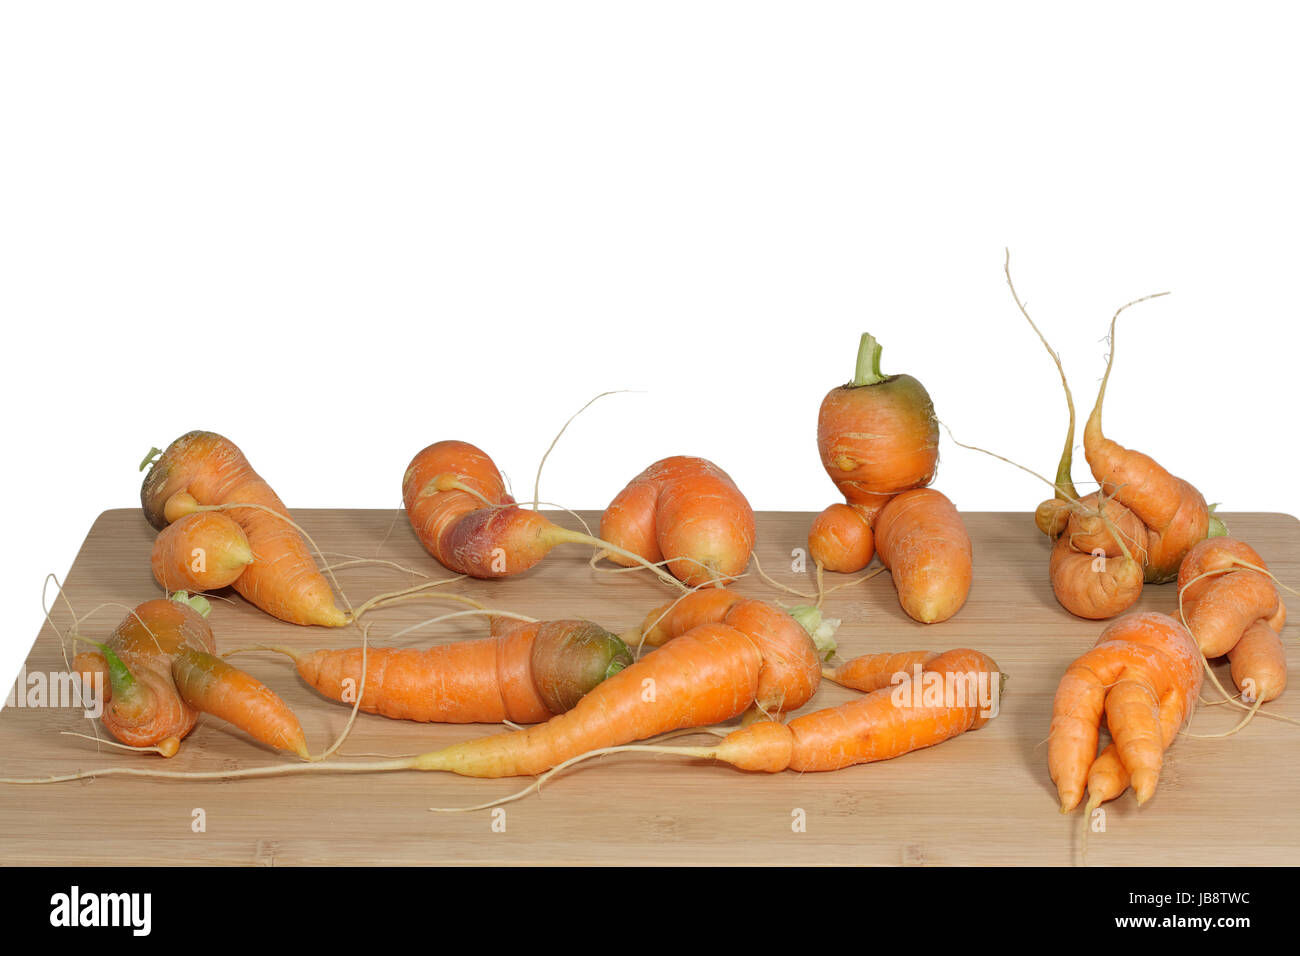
(338, 232)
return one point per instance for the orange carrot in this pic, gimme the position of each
(202, 551)
(523, 674)
(959, 692)
(877, 435)
(706, 676)
(1143, 674)
(874, 671)
(841, 538)
(1231, 608)
(921, 539)
(458, 507)
(202, 470)
(1135, 530)
(688, 512)
(791, 663)
(161, 673)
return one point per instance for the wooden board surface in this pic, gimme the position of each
(982, 798)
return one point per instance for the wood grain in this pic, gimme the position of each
(983, 798)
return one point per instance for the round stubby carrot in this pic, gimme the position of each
(1093, 586)
(161, 673)
(841, 538)
(791, 665)
(210, 471)
(920, 537)
(525, 675)
(203, 551)
(688, 512)
(877, 435)
(1143, 674)
(458, 507)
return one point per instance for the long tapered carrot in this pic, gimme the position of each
(203, 469)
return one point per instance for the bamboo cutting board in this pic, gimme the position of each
(982, 798)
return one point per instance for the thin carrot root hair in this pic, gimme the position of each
(537, 481)
(356, 560)
(657, 567)
(383, 600)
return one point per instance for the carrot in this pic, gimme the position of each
(458, 507)
(706, 676)
(1134, 531)
(202, 551)
(524, 673)
(841, 538)
(1143, 675)
(161, 673)
(881, 725)
(1231, 608)
(874, 671)
(878, 438)
(204, 471)
(921, 539)
(685, 511)
(957, 691)
(710, 674)
(877, 435)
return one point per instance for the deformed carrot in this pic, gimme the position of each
(1231, 606)
(920, 537)
(1143, 675)
(205, 470)
(457, 504)
(686, 512)
(524, 674)
(791, 663)
(1135, 530)
(877, 435)
(161, 673)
